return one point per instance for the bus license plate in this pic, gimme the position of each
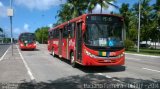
(107, 60)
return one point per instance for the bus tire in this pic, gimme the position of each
(52, 52)
(72, 60)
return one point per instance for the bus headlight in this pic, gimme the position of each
(21, 44)
(35, 44)
(89, 54)
(121, 55)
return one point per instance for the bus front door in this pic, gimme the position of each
(65, 43)
(79, 42)
(60, 43)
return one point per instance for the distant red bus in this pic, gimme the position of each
(89, 40)
(27, 41)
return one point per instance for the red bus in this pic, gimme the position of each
(89, 40)
(27, 41)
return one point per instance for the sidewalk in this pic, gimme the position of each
(143, 55)
(12, 69)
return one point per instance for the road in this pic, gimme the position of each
(3, 48)
(38, 69)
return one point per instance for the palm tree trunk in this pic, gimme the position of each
(101, 6)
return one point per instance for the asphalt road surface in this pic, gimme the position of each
(3, 48)
(39, 70)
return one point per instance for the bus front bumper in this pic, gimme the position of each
(89, 61)
(28, 47)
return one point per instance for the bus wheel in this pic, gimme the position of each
(72, 59)
(52, 52)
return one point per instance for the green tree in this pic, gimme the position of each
(124, 11)
(74, 8)
(146, 11)
(64, 14)
(1, 30)
(145, 19)
(77, 7)
(132, 25)
(42, 34)
(71, 9)
(155, 32)
(130, 21)
(157, 12)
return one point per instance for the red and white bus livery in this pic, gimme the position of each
(27, 41)
(89, 40)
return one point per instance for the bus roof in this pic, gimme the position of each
(77, 18)
(25, 33)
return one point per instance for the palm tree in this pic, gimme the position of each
(146, 19)
(157, 12)
(103, 3)
(146, 11)
(64, 14)
(1, 30)
(77, 7)
(71, 9)
(155, 33)
(125, 12)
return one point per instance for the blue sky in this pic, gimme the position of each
(31, 14)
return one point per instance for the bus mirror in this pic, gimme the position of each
(83, 26)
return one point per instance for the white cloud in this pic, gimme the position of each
(39, 4)
(50, 25)
(97, 9)
(1, 4)
(3, 10)
(26, 27)
(17, 31)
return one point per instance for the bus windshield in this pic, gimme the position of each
(27, 37)
(104, 33)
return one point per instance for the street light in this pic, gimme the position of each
(42, 29)
(10, 14)
(139, 24)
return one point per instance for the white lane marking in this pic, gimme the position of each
(130, 85)
(104, 75)
(132, 58)
(26, 65)
(4, 54)
(143, 55)
(151, 70)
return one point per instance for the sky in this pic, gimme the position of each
(32, 14)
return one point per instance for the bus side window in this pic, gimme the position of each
(52, 34)
(69, 29)
(72, 30)
(57, 33)
(65, 32)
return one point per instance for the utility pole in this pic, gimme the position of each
(10, 14)
(139, 24)
(42, 29)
